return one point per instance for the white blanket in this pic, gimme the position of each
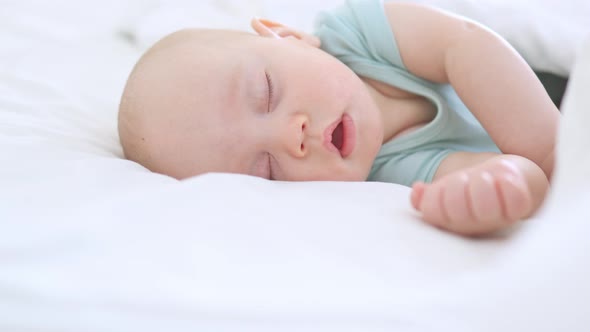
(92, 242)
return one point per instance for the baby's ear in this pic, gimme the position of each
(267, 28)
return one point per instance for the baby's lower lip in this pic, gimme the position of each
(349, 138)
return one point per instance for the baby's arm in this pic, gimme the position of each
(490, 77)
(478, 193)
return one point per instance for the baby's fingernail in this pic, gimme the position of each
(511, 166)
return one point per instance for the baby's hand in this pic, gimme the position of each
(477, 200)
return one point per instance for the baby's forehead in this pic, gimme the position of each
(200, 72)
(214, 38)
(206, 47)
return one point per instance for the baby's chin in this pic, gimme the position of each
(358, 174)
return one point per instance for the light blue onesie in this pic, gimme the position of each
(358, 34)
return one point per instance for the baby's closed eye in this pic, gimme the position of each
(270, 88)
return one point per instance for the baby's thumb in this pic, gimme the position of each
(417, 194)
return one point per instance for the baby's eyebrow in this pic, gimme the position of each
(236, 81)
(250, 84)
(236, 86)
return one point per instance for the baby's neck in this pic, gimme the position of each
(401, 111)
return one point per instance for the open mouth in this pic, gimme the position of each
(340, 136)
(337, 136)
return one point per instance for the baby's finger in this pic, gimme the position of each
(433, 211)
(485, 202)
(516, 197)
(417, 194)
(456, 199)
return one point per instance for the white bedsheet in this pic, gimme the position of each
(91, 242)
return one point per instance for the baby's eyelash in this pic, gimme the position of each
(270, 90)
(270, 172)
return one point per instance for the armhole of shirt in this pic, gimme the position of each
(371, 18)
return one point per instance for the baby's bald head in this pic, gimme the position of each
(161, 114)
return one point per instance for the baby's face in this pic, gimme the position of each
(274, 108)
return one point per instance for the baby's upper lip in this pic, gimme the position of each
(328, 132)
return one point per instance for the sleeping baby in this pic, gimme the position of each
(392, 92)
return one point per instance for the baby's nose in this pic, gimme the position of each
(295, 134)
